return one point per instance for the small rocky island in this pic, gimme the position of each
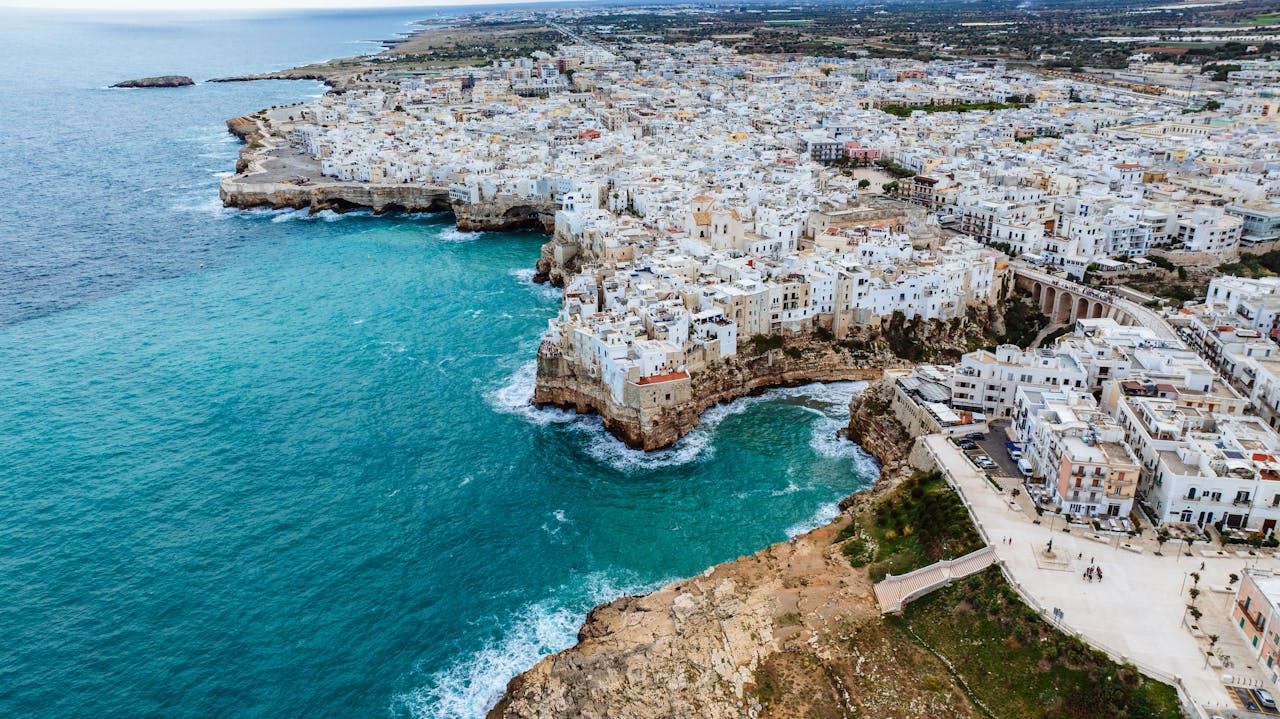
(159, 81)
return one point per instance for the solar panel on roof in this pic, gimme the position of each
(1232, 454)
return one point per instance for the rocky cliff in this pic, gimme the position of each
(791, 631)
(337, 196)
(761, 364)
(160, 81)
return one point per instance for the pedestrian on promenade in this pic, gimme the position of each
(1202, 566)
(1099, 573)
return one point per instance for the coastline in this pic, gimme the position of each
(698, 646)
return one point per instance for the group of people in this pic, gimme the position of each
(1093, 572)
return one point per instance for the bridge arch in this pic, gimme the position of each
(1065, 302)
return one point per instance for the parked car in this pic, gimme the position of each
(1265, 699)
(975, 435)
(1015, 454)
(967, 444)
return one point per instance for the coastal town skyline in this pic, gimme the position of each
(538, 360)
(130, 6)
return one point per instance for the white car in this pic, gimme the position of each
(1264, 698)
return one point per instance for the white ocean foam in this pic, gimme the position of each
(514, 398)
(306, 215)
(607, 449)
(542, 289)
(205, 205)
(821, 517)
(288, 215)
(453, 234)
(791, 488)
(475, 683)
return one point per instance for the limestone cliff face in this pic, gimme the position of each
(791, 631)
(505, 213)
(561, 383)
(337, 196)
(873, 427)
(560, 259)
(802, 359)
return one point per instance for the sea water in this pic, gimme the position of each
(268, 464)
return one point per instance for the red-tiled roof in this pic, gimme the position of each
(668, 377)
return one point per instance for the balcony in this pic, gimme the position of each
(1257, 623)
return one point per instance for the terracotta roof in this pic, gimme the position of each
(668, 377)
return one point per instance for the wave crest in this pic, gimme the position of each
(473, 685)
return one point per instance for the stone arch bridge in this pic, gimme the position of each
(1065, 301)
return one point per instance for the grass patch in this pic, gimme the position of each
(913, 526)
(996, 642)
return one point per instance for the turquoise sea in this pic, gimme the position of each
(263, 464)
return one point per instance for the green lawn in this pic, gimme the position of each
(996, 644)
(917, 524)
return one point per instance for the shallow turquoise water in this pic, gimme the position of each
(302, 479)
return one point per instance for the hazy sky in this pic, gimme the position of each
(172, 5)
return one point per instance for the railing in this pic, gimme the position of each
(976, 561)
(1191, 708)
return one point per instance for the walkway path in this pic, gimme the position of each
(1136, 614)
(892, 593)
(1142, 315)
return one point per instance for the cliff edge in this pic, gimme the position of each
(790, 631)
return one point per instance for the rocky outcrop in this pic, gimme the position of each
(791, 631)
(560, 259)
(873, 427)
(560, 383)
(799, 360)
(160, 81)
(505, 213)
(337, 196)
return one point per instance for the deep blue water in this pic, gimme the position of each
(257, 464)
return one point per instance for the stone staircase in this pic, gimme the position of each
(892, 593)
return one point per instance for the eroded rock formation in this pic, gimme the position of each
(791, 631)
(159, 81)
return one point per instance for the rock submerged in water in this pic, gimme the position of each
(160, 81)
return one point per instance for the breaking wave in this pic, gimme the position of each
(821, 517)
(453, 234)
(475, 683)
(830, 402)
(542, 289)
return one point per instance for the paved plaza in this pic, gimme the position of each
(1138, 611)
